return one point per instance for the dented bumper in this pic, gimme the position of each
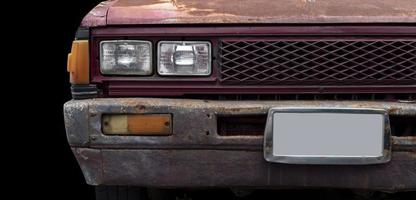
(196, 155)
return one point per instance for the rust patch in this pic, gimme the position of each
(394, 110)
(259, 11)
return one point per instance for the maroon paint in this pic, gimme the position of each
(176, 86)
(216, 30)
(179, 12)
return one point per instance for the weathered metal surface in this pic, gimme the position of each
(196, 156)
(98, 15)
(91, 163)
(194, 121)
(76, 118)
(216, 168)
(121, 12)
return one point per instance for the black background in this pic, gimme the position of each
(67, 173)
(35, 85)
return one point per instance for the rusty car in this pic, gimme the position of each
(244, 94)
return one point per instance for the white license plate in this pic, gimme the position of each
(327, 136)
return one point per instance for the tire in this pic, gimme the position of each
(120, 193)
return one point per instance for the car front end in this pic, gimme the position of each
(168, 98)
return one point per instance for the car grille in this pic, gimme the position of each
(317, 62)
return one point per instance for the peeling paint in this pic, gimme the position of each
(98, 15)
(120, 12)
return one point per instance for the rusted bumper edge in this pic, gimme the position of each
(196, 156)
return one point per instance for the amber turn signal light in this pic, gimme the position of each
(137, 124)
(78, 62)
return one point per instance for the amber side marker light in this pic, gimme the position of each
(137, 124)
(78, 62)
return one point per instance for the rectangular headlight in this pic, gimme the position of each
(184, 58)
(126, 57)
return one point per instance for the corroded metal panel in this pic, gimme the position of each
(230, 168)
(194, 121)
(196, 156)
(250, 11)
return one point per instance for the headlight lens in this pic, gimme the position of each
(184, 58)
(126, 57)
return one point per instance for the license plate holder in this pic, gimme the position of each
(330, 136)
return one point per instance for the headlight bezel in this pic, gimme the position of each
(151, 57)
(184, 42)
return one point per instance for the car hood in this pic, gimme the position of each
(130, 12)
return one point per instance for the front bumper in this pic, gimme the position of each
(196, 156)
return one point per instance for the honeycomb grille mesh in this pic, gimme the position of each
(337, 62)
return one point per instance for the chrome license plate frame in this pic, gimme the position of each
(270, 131)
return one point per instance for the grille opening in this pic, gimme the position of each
(242, 125)
(402, 126)
(254, 125)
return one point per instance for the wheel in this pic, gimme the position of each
(120, 193)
